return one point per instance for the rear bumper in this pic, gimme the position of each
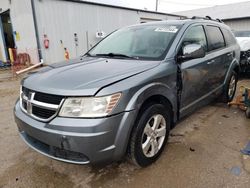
(79, 141)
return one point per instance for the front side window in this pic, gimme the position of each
(147, 42)
(215, 38)
(195, 35)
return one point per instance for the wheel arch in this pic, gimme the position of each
(155, 92)
(157, 99)
(237, 69)
(235, 66)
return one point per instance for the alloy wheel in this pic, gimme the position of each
(153, 135)
(232, 86)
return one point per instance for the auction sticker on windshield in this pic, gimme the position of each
(170, 29)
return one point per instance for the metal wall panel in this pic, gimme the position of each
(239, 24)
(59, 20)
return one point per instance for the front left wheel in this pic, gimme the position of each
(150, 134)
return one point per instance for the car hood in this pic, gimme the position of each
(244, 43)
(84, 76)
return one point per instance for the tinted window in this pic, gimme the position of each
(215, 38)
(228, 35)
(195, 35)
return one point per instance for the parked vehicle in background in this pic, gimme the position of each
(243, 38)
(128, 91)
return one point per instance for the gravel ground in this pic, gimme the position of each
(203, 151)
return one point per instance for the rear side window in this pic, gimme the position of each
(215, 38)
(228, 35)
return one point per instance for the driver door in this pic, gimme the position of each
(194, 72)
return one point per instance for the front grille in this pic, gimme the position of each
(52, 99)
(39, 105)
(42, 113)
(24, 103)
(59, 153)
(68, 155)
(25, 91)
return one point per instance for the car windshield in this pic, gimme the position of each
(242, 33)
(146, 42)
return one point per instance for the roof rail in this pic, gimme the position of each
(206, 18)
(219, 20)
(199, 17)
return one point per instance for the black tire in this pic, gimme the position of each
(248, 112)
(135, 150)
(225, 95)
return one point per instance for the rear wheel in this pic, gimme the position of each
(230, 88)
(150, 134)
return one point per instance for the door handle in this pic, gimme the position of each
(210, 62)
(230, 54)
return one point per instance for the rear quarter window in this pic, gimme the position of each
(229, 37)
(215, 38)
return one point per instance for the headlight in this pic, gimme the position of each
(89, 106)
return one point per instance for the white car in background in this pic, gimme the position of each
(243, 38)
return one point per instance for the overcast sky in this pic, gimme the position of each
(169, 6)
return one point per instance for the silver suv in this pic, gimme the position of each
(128, 91)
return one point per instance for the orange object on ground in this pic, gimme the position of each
(19, 61)
(243, 100)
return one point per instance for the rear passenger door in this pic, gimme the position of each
(217, 56)
(230, 48)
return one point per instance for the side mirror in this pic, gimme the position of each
(192, 51)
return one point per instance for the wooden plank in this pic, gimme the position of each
(29, 68)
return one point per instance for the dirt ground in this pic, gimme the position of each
(203, 151)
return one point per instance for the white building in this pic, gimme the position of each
(72, 24)
(235, 15)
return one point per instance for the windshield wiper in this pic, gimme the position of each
(87, 54)
(116, 55)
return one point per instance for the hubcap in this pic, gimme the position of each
(153, 135)
(232, 87)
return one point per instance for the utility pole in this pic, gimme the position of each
(156, 6)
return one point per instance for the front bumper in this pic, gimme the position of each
(79, 141)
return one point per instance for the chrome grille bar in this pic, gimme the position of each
(31, 102)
